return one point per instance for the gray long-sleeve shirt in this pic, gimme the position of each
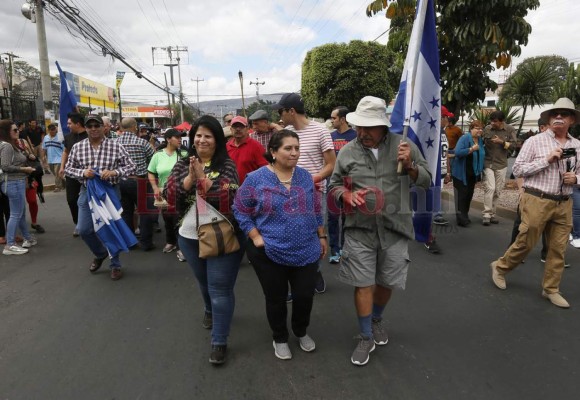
(11, 161)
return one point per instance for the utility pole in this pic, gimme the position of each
(221, 106)
(180, 89)
(257, 83)
(43, 57)
(11, 56)
(197, 80)
(165, 56)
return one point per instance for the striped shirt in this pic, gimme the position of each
(532, 164)
(109, 155)
(139, 150)
(315, 139)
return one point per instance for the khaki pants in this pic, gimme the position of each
(541, 215)
(493, 183)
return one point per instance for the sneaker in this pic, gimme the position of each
(207, 322)
(282, 351)
(38, 228)
(360, 355)
(137, 232)
(494, 220)
(486, 221)
(218, 354)
(289, 297)
(169, 248)
(306, 343)
(432, 247)
(334, 259)
(28, 243)
(180, 256)
(14, 250)
(575, 243)
(116, 274)
(439, 220)
(320, 284)
(380, 335)
(566, 264)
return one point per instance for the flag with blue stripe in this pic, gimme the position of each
(106, 213)
(68, 103)
(418, 109)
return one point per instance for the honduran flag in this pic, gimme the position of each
(106, 213)
(418, 109)
(68, 103)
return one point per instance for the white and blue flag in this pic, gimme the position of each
(418, 108)
(67, 103)
(106, 213)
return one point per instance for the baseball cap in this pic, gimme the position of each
(92, 117)
(172, 132)
(239, 120)
(445, 112)
(290, 100)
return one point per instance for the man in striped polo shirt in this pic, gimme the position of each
(317, 154)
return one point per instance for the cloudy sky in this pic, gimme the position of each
(264, 39)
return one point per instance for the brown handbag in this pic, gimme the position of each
(217, 237)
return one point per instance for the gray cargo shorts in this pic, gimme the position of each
(366, 264)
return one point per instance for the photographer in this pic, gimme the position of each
(549, 165)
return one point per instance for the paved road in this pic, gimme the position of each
(65, 334)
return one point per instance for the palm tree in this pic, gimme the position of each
(530, 86)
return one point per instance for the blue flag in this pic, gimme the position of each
(106, 213)
(418, 109)
(68, 102)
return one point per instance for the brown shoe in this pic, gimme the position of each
(116, 274)
(96, 264)
(497, 277)
(556, 299)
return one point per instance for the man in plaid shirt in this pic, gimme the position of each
(110, 160)
(134, 189)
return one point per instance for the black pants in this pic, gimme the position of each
(4, 213)
(463, 197)
(73, 188)
(137, 195)
(274, 279)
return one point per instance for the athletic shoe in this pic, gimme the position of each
(76, 233)
(28, 243)
(306, 343)
(38, 228)
(320, 284)
(282, 351)
(14, 250)
(439, 220)
(360, 355)
(380, 335)
(218, 354)
(486, 221)
(334, 259)
(432, 247)
(207, 322)
(494, 220)
(575, 243)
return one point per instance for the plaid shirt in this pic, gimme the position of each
(538, 174)
(139, 150)
(262, 138)
(109, 155)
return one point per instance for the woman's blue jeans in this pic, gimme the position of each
(576, 213)
(16, 193)
(216, 277)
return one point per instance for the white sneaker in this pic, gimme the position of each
(14, 250)
(575, 243)
(28, 243)
(282, 351)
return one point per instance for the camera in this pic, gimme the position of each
(570, 152)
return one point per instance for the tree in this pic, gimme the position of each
(263, 105)
(25, 70)
(570, 86)
(530, 85)
(338, 74)
(472, 34)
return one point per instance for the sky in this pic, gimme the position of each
(266, 40)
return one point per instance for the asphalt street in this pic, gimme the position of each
(67, 334)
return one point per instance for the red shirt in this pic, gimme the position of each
(249, 156)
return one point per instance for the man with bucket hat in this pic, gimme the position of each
(550, 166)
(378, 224)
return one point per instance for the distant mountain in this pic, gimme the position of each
(223, 106)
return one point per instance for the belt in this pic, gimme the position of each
(542, 195)
(137, 176)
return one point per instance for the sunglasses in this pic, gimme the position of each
(563, 113)
(281, 111)
(228, 121)
(93, 126)
(15, 130)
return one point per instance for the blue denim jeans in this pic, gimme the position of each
(216, 277)
(16, 193)
(87, 232)
(576, 212)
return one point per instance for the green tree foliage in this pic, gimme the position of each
(341, 74)
(472, 34)
(531, 85)
(263, 105)
(26, 70)
(570, 86)
(507, 107)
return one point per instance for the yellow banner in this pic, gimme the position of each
(94, 90)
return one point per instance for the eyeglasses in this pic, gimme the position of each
(93, 126)
(281, 111)
(228, 121)
(238, 126)
(563, 113)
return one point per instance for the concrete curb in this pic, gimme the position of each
(501, 211)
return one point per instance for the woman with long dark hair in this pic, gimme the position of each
(14, 174)
(208, 175)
